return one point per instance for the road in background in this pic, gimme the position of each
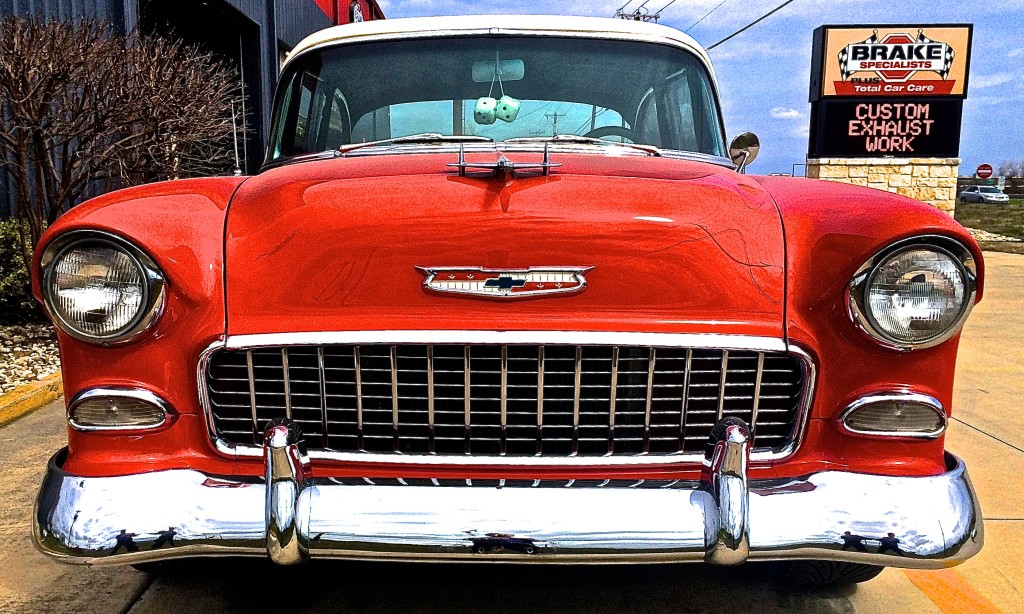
(988, 432)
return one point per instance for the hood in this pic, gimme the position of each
(334, 245)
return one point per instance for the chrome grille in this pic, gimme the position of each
(504, 400)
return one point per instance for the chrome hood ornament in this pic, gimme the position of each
(506, 283)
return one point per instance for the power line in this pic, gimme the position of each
(658, 12)
(706, 15)
(752, 24)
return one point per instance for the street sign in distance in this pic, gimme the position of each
(984, 171)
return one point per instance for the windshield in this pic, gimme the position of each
(990, 190)
(496, 87)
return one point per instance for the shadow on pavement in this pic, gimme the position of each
(327, 586)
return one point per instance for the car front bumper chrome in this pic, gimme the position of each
(724, 518)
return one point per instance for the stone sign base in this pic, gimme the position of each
(930, 180)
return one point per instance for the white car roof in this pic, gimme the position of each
(466, 25)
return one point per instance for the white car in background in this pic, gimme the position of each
(983, 194)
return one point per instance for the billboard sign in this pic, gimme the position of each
(890, 60)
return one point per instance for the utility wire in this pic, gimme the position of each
(752, 24)
(706, 15)
(623, 7)
(658, 12)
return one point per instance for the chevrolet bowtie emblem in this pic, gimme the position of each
(506, 283)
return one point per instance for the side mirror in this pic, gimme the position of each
(744, 149)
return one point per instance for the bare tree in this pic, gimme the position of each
(1009, 168)
(82, 107)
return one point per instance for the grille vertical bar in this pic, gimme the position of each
(650, 396)
(576, 402)
(540, 400)
(721, 385)
(685, 407)
(430, 398)
(757, 394)
(394, 397)
(466, 408)
(287, 383)
(321, 375)
(357, 363)
(504, 400)
(611, 403)
(252, 399)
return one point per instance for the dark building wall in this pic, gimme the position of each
(112, 11)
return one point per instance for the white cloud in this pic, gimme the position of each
(1015, 53)
(786, 113)
(999, 78)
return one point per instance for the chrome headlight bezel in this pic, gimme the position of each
(860, 312)
(153, 287)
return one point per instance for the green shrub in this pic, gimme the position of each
(16, 302)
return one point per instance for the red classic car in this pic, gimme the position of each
(501, 293)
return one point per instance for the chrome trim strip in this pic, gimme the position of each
(216, 515)
(902, 396)
(508, 337)
(757, 396)
(426, 337)
(857, 308)
(140, 394)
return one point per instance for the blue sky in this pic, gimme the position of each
(763, 73)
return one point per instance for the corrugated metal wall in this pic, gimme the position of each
(108, 10)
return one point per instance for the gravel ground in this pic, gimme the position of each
(984, 235)
(27, 353)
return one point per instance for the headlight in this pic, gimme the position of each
(914, 296)
(100, 288)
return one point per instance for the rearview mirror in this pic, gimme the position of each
(508, 70)
(744, 149)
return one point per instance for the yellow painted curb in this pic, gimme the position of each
(28, 398)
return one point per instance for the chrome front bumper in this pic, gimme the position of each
(921, 522)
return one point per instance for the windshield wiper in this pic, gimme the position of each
(425, 137)
(586, 140)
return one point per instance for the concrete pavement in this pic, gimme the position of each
(988, 433)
